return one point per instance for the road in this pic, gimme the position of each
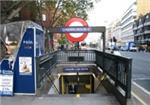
(140, 68)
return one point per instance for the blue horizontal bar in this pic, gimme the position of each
(76, 29)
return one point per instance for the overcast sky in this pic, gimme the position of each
(104, 12)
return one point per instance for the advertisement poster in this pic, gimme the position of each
(25, 65)
(6, 85)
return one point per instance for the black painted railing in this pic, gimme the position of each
(117, 68)
(76, 56)
(44, 64)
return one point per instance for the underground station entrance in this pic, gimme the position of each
(66, 72)
(76, 83)
(74, 80)
(104, 74)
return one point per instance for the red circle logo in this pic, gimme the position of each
(76, 21)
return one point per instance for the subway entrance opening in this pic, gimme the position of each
(76, 83)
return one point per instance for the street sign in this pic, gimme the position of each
(6, 85)
(76, 29)
(6, 78)
(83, 30)
(76, 69)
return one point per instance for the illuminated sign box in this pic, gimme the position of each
(76, 69)
(76, 29)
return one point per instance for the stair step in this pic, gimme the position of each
(84, 99)
(80, 95)
(70, 99)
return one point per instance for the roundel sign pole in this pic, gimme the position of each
(74, 22)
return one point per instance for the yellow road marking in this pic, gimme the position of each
(139, 99)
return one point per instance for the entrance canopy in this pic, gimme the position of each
(81, 29)
(78, 29)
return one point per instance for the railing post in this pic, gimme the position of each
(96, 58)
(103, 41)
(116, 66)
(56, 56)
(129, 76)
(103, 59)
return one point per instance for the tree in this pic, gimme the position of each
(62, 40)
(62, 10)
(57, 11)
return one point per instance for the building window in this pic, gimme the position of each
(147, 28)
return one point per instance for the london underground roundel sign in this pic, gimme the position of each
(79, 33)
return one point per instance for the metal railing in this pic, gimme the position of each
(76, 56)
(44, 65)
(118, 69)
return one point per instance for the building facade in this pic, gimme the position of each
(108, 35)
(121, 29)
(143, 7)
(116, 32)
(127, 21)
(141, 26)
(141, 29)
(133, 25)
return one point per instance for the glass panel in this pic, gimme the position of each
(39, 43)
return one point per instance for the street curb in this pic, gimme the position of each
(140, 94)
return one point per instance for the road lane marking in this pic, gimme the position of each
(144, 90)
(141, 79)
(138, 98)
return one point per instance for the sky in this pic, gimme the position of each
(105, 12)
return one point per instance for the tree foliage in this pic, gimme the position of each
(9, 9)
(58, 11)
(62, 10)
(62, 40)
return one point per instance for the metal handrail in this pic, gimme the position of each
(116, 67)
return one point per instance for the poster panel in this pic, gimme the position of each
(6, 85)
(25, 65)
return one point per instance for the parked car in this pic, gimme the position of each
(133, 48)
(124, 48)
(129, 46)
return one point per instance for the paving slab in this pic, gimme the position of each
(59, 100)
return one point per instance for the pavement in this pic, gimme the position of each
(59, 100)
(101, 97)
(83, 99)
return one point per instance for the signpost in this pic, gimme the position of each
(83, 30)
(80, 27)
